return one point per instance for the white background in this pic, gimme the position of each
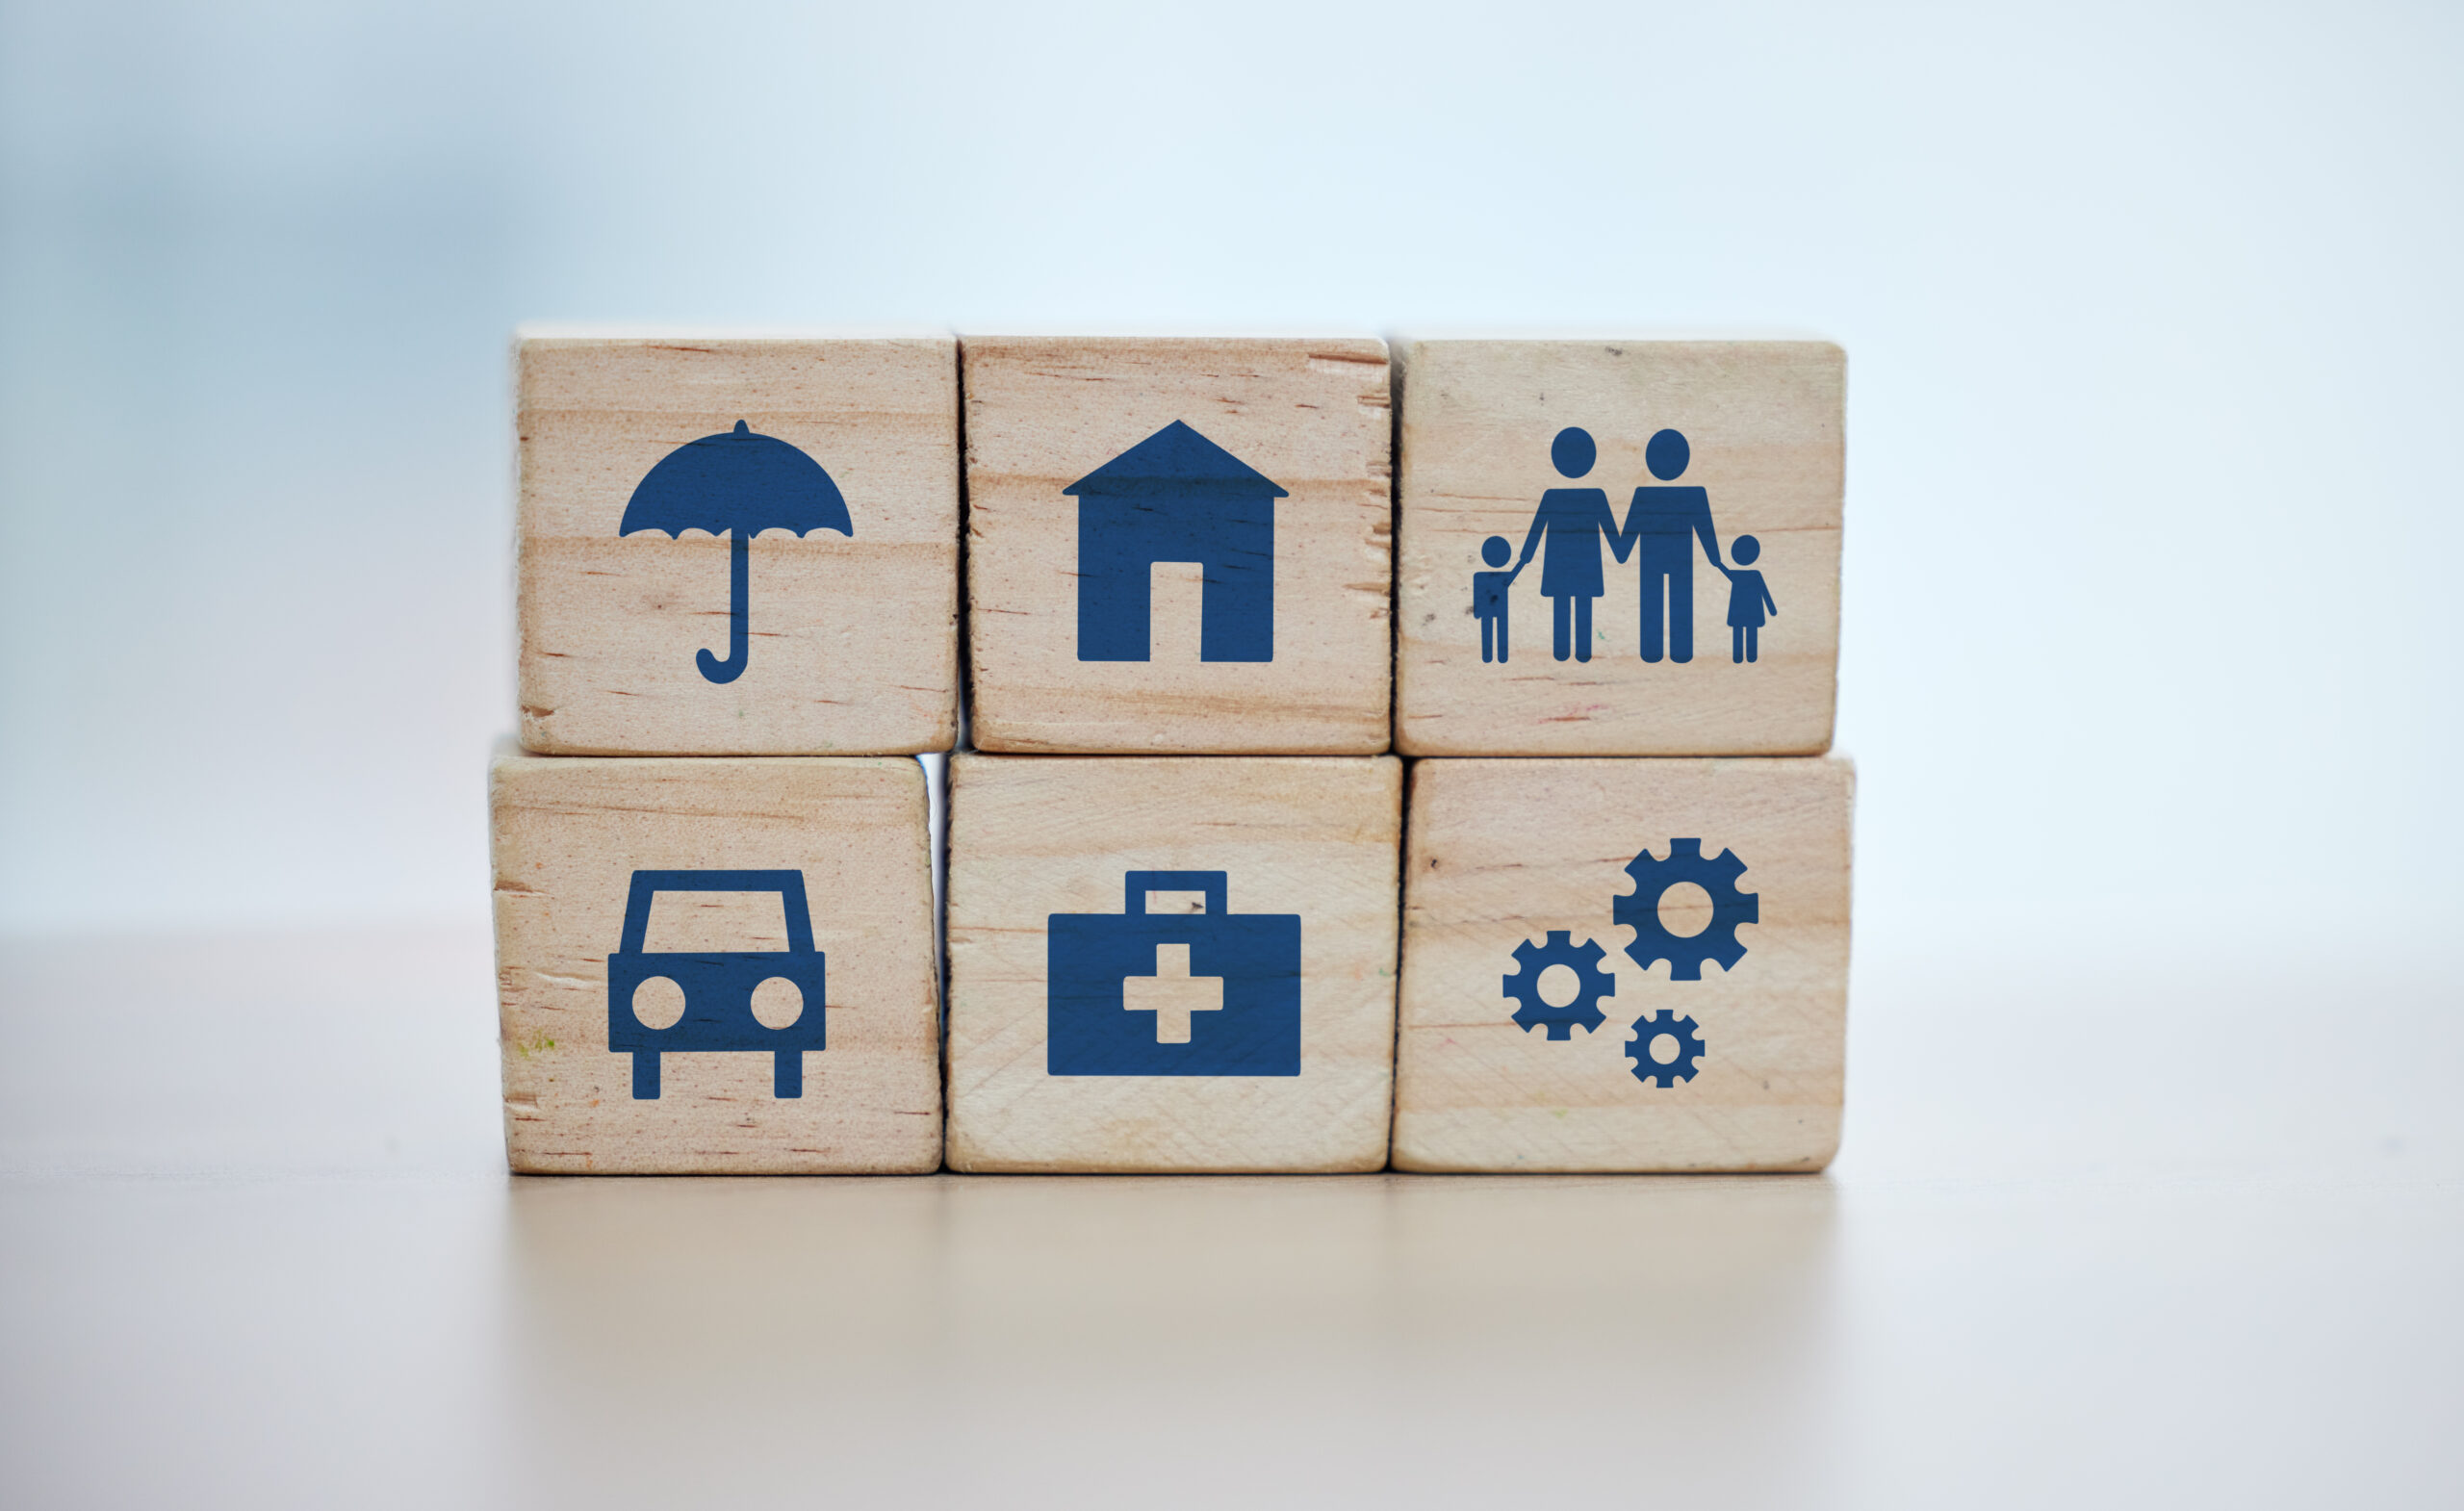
(2152, 320)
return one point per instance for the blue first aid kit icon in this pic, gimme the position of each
(1135, 993)
(718, 984)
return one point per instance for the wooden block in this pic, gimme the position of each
(1532, 975)
(1553, 457)
(1171, 964)
(1178, 546)
(688, 590)
(788, 906)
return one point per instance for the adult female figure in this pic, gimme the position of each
(1574, 521)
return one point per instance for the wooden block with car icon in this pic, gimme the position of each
(716, 964)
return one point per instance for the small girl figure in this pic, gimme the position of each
(1488, 596)
(1748, 598)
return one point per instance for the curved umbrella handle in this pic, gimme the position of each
(739, 588)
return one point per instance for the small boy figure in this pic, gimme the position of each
(1488, 596)
(1748, 598)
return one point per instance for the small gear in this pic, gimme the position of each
(1584, 960)
(1639, 910)
(1689, 1049)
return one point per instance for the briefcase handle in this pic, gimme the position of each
(1211, 882)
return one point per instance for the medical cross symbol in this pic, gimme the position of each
(1173, 993)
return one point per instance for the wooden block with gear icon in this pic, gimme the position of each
(1625, 965)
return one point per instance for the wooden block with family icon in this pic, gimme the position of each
(1618, 548)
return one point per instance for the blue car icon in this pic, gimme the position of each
(718, 985)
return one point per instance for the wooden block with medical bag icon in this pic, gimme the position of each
(1633, 964)
(1175, 964)
(736, 545)
(715, 965)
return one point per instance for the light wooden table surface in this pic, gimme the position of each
(2180, 1227)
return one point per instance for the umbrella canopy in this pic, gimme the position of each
(740, 484)
(736, 481)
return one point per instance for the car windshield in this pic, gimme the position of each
(693, 923)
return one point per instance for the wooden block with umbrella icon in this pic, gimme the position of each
(737, 545)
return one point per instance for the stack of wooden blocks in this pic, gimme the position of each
(1198, 917)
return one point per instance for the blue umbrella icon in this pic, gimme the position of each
(738, 483)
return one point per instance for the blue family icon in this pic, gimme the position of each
(1663, 522)
(1135, 993)
(718, 985)
(1176, 496)
(736, 484)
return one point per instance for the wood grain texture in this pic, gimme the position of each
(853, 639)
(1313, 416)
(1506, 851)
(1034, 837)
(1764, 421)
(568, 834)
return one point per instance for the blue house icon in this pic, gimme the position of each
(1175, 496)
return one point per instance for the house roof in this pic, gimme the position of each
(1176, 459)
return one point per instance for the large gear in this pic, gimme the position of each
(1689, 1049)
(1594, 983)
(1639, 910)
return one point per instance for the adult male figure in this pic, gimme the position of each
(1660, 528)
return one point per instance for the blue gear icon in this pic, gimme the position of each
(1689, 1049)
(1639, 910)
(1584, 960)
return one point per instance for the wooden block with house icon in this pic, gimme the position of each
(1617, 548)
(1178, 546)
(737, 545)
(1172, 963)
(718, 966)
(1624, 964)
